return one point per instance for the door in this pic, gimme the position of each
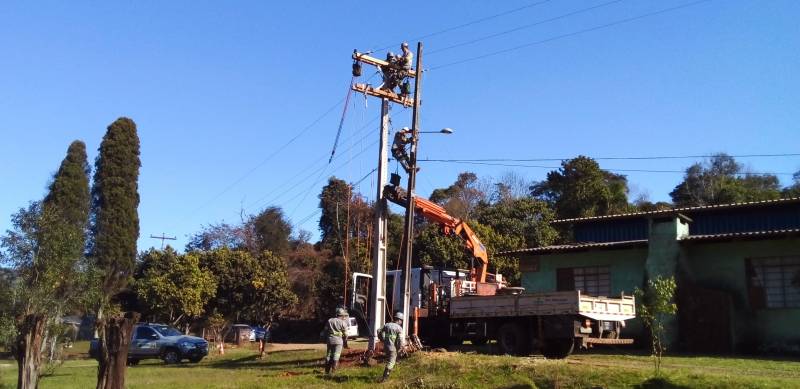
(145, 342)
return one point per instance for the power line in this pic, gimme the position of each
(467, 24)
(613, 170)
(545, 21)
(318, 211)
(307, 168)
(571, 34)
(269, 157)
(658, 157)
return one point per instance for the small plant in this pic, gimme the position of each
(654, 304)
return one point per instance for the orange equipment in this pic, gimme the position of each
(451, 225)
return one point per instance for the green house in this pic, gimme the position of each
(737, 267)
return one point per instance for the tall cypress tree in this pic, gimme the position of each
(48, 273)
(115, 229)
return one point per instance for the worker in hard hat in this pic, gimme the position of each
(336, 335)
(393, 340)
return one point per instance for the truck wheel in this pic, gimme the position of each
(133, 362)
(558, 348)
(170, 357)
(512, 340)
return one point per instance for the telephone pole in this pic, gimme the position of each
(408, 243)
(163, 238)
(377, 304)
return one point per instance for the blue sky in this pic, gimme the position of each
(217, 88)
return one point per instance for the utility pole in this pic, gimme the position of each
(377, 304)
(163, 238)
(408, 243)
(377, 301)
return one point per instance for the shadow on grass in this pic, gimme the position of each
(659, 383)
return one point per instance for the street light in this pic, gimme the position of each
(446, 130)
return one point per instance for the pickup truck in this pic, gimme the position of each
(159, 341)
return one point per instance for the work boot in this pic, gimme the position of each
(327, 367)
(335, 365)
(385, 375)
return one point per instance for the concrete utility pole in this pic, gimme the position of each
(377, 301)
(377, 304)
(408, 244)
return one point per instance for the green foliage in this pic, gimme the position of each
(794, 189)
(721, 180)
(273, 291)
(115, 200)
(249, 288)
(653, 304)
(272, 230)
(7, 302)
(333, 221)
(581, 189)
(173, 285)
(461, 198)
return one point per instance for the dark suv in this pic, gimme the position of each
(152, 340)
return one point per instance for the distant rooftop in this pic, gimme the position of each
(750, 204)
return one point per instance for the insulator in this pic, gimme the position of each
(356, 69)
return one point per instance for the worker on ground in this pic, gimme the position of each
(261, 338)
(336, 335)
(392, 336)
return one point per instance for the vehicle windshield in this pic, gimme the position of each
(167, 331)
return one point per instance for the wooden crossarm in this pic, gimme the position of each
(384, 94)
(378, 62)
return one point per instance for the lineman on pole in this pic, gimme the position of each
(396, 73)
(393, 341)
(336, 336)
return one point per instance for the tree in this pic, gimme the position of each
(794, 189)
(115, 229)
(172, 285)
(249, 288)
(217, 236)
(272, 231)
(581, 189)
(461, 198)
(274, 294)
(333, 201)
(653, 304)
(44, 249)
(721, 180)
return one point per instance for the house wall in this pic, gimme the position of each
(721, 266)
(625, 267)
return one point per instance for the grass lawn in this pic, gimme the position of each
(240, 368)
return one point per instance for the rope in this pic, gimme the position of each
(344, 114)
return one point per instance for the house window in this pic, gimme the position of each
(774, 282)
(592, 280)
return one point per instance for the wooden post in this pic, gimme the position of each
(408, 241)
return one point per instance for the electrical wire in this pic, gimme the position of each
(613, 170)
(609, 158)
(467, 24)
(506, 32)
(309, 167)
(267, 159)
(318, 211)
(571, 34)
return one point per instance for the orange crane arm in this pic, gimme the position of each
(451, 225)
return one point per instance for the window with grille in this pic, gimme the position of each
(774, 282)
(592, 280)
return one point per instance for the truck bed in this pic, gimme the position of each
(543, 304)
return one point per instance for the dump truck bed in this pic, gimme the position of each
(544, 304)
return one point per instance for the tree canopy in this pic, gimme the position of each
(115, 202)
(722, 180)
(580, 188)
